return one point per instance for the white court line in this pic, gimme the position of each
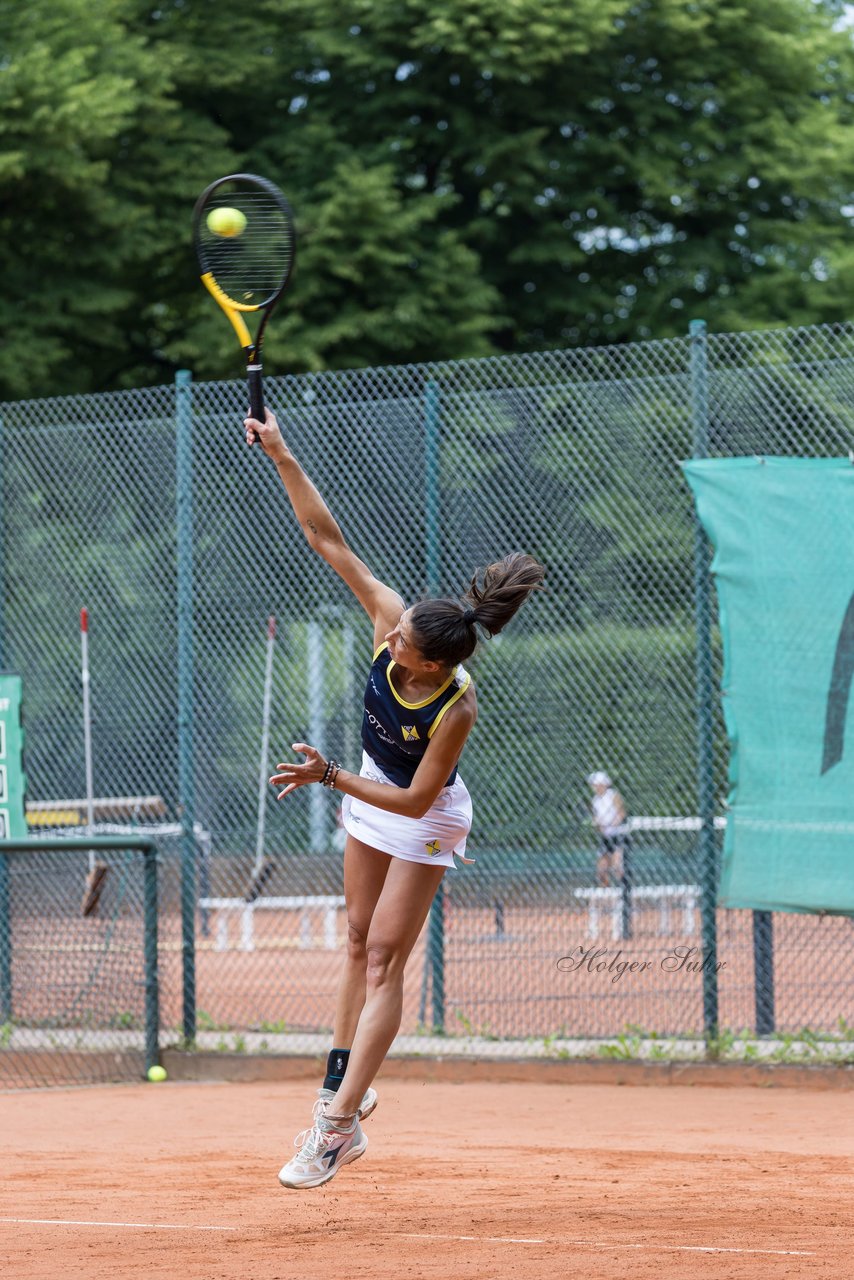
(615, 1244)
(412, 1235)
(143, 1226)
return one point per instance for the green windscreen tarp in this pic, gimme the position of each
(783, 536)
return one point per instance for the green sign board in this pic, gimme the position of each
(13, 784)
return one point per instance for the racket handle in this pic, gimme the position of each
(256, 392)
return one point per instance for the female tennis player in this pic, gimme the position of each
(406, 813)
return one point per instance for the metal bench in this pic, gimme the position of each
(329, 904)
(75, 813)
(664, 896)
(598, 899)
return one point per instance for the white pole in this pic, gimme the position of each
(87, 729)
(263, 783)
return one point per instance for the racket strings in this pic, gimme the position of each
(249, 266)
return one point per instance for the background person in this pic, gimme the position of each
(610, 819)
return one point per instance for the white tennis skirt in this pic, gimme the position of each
(434, 839)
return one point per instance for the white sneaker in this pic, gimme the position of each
(325, 1096)
(324, 1148)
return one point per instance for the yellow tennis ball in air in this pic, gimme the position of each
(226, 222)
(155, 1074)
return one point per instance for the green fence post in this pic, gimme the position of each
(432, 433)
(5, 919)
(14, 824)
(186, 775)
(763, 972)
(5, 922)
(5, 943)
(152, 973)
(704, 703)
(3, 656)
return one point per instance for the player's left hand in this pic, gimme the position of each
(291, 776)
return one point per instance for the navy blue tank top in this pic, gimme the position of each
(395, 733)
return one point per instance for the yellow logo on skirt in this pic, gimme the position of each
(433, 847)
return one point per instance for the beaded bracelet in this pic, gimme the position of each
(333, 768)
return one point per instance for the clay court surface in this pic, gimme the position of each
(460, 1180)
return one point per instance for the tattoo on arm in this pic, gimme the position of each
(312, 526)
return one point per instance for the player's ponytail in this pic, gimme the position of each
(446, 631)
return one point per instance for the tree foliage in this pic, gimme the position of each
(468, 175)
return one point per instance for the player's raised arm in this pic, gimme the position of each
(382, 605)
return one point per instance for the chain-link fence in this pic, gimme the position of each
(147, 508)
(78, 960)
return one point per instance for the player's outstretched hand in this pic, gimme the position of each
(268, 435)
(291, 776)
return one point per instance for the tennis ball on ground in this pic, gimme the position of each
(226, 222)
(156, 1074)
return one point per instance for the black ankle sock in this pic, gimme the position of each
(336, 1066)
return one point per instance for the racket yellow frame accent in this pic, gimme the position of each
(231, 309)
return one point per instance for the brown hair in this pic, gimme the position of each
(446, 630)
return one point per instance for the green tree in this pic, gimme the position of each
(98, 163)
(468, 175)
(616, 165)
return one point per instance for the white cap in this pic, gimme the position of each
(599, 779)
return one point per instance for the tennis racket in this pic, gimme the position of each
(243, 233)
